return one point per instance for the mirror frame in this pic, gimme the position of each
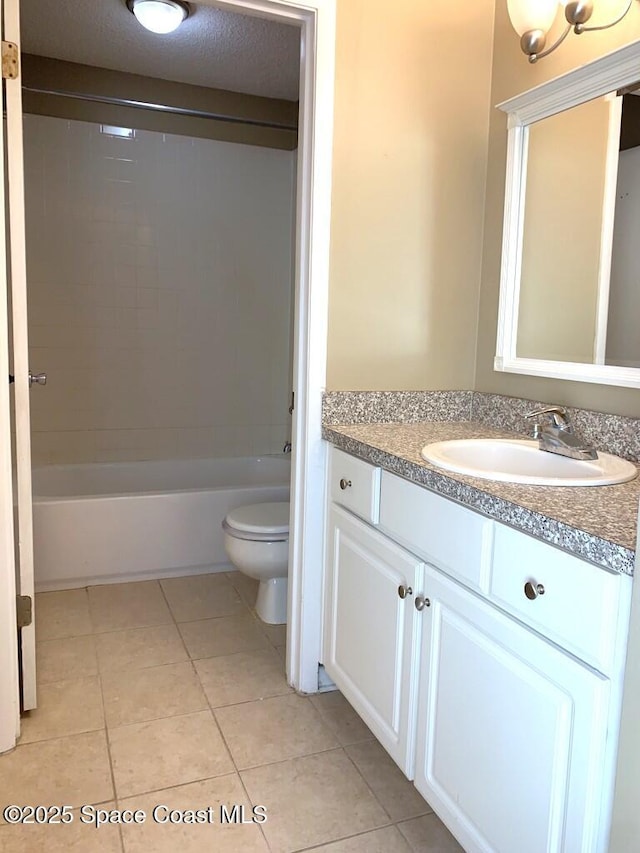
(600, 77)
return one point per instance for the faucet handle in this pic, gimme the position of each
(558, 415)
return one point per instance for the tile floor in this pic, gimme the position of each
(173, 693)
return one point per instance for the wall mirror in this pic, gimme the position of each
(570, 273)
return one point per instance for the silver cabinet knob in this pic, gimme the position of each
(404, 591)
(533, 590)
(37, 378)
(345, 484)
(421, 602)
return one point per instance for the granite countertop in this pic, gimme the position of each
(595, 523)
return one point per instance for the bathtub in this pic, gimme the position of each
(110, 522)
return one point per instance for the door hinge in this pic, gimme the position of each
(10, 65)
(24, 610)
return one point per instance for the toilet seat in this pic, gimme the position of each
(267, 522)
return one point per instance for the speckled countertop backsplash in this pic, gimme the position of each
(390, 428)
(610, 433)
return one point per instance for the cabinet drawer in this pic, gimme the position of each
(355, 484)
(571, 602)
(452, 538)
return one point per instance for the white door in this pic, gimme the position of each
(370, 641)
(17, 285)
(511, 731)
(9, 696)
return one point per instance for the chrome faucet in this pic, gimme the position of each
(557, 435)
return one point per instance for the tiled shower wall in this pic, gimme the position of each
(160, 289)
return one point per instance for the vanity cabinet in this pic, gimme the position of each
(488, 663)
(371, 639)
(510, 730)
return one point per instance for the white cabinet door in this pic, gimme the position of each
(511, 731)
(371, 641)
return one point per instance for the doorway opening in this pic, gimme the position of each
(316, 23)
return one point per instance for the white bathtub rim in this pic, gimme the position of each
(114, 496)
(107, 467)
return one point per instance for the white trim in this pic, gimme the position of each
(613, 71)
(608, 218)
(317, 19)
(21, 403)
(625, 377)
(598, 78)
(9, 693)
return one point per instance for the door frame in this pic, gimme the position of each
(317, 21)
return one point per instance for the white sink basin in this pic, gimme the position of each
(521, 461)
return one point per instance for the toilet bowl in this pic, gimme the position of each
(256, 539)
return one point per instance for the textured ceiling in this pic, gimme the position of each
(211, 48)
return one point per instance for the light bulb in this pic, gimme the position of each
(528, 15)
(159, 16)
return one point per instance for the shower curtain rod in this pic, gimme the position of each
(145, 105)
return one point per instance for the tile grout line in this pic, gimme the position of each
(347, 838)
(322, 716)
(110, 758)
(373, 793)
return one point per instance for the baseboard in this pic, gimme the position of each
(99, 580)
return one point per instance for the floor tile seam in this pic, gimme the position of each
(250, 799)
(109, 756)
(403, 820)
(120, 630)
(225, 615)
(262, 699)
(211, 618)
(244, 652)
(261, 625)
(20, 745)
(346, 838)
(59, 737)
(151, 666)
(288, 691)
(150, 791)
(291, 758)
(227, 654)
(325, 715)
(221, 733)
(98, 633)
(240, 592)
(63, 636)
(136, 668)
(373, 793)
(95, 675)
(166, 601)
(203, 710)
(395, 821)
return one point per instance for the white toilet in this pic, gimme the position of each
(257, 543)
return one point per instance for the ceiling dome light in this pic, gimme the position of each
(159, 16)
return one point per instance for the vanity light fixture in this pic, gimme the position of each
(159, 16)
(532, 20)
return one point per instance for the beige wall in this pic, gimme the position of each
(411, 124)
(512, 74)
